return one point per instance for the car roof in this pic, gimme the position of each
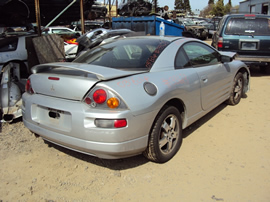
(246, 15)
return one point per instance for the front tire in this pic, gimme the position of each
(166, 136)
(237, 91)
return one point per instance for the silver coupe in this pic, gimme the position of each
(131, 96)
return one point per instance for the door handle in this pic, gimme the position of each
(204, 79)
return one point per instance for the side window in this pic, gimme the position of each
(8, 44)
(220, 24)
(200, 54)
(181, 60)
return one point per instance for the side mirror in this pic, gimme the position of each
(225, 58)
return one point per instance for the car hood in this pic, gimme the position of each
(71, 80)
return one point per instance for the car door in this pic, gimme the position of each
(213, 75)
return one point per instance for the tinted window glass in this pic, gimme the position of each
(181, 60)
(127, 54)
(200, 54)
(250, 26)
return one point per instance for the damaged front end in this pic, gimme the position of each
(12, 88)
(198, 31)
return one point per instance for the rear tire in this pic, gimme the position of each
(166, 136)
(237, 90)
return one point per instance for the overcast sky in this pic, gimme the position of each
(195, 4)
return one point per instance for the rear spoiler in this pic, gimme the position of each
(102, 73)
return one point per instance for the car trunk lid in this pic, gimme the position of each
(71, 80)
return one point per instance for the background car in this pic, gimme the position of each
(15, 69)
(246, 34)
(132, 95)
(65, 32)
(196, 30)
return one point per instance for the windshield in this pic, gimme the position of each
(126, 54)
(248, 26)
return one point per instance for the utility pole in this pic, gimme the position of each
(38, 21)
(82, 16)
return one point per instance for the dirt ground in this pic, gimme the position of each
(225, 156)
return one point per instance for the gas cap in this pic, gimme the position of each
(150, 88)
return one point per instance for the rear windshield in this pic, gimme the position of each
(126, 54)
(248, 26)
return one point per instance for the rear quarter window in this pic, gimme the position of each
(248, 26)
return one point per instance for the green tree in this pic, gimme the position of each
(154, 5)
(155, 2)
(228, 6)
(187, 6)
(211, 2)
(218, 9)
(179, 4)
(206, 12)
(182, 4)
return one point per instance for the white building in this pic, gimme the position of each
(255, 6)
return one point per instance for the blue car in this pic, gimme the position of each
(246, 34)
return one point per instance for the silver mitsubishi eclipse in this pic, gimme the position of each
(131, 96)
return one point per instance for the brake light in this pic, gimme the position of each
(28, 87)
(100, 96)
(220, 42)
(110, 123)
(53, 78)
(120, 123)
(250, 15)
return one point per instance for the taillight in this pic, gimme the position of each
(113, 102)
(28, 87)
(102, 98)
(220, 42)
(111, 123)
(250, 15)
(121, 123)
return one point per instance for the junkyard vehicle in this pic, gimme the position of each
(99, 9)
(95, 37)
(196, 30)
(246, 34)
(13, 75)
(15, 71)
(132, 95)
(134, 8)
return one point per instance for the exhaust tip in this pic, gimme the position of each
(8, 117)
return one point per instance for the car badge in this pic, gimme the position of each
(52, 88)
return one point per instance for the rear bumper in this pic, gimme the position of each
(98, 149)
(75, 128)
(253, 60)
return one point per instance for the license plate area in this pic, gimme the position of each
(52, 118)
(249, 45)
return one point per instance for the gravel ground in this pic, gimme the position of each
(225, 156)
